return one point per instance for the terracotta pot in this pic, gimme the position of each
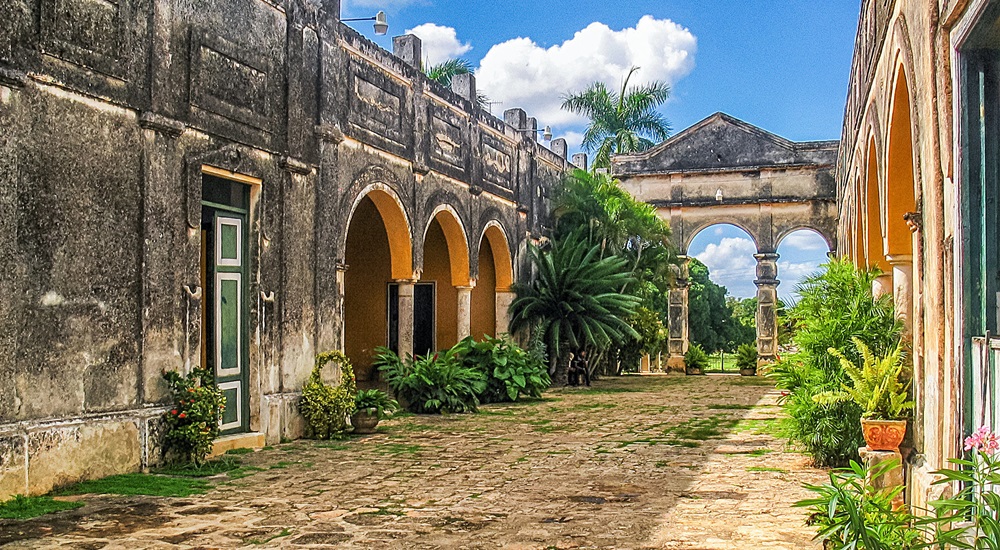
(750, 371)
(363, 422)
(883, 435)
(695, 371)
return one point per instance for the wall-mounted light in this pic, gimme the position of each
(718, 195)
(381, 23)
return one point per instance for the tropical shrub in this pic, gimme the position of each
(696, 358)
(850, 512)
(192, 423)
(746, 356)
(325, 407)
(652, 335)
(876, 386)
(834, 306)
(509, 370)
(375, 402)
(433, 384)
(973, 516)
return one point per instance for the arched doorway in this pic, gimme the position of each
(874, 234)
(800, 254)
(492, 295)
(377, 252)
(900, 200)
(446, 270)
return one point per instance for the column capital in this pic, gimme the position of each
(405, 281)
(766, 257)
(899, 259)
(465, 287)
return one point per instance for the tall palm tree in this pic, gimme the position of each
(623, 122)
(574, 301)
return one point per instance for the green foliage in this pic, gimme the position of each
(834, 306)
(444, 72)
(623, 122)
(24, 507)
(325, 408)
(140, 484)
(432, 384)
(696, 358)
(977, 503)
(875, 385)
(746, 356)
(652, 335)
(375, 402)
(509, 370)
(575, 301)
(192, 424)
(711, 320)
(851, 513)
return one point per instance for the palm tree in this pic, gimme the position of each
(621, 123)
(574, 301)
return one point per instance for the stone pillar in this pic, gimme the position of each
(341, 276)
(409, 49)
(892, 478)
(882, 285)
(464, 311)
(677, 329)
(580, 160)
(644, 363)
(504, 299)
(767, 307)
(902, 289)
(405, 309)
(465, 86)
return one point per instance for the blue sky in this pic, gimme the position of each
(781, 65)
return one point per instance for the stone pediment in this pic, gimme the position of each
(721, 142)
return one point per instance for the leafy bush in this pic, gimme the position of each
(876, 385)
(192, 424)
(325, 408)
(432, 384)
(978, 503)
(696, 358)
(746, 356)
(851, 513)
(834, 306)
(376, 402)
(509, 370)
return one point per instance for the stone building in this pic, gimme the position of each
(237, 184)
(917, 189)
(723, 170)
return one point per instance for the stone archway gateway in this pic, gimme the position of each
(725, 171)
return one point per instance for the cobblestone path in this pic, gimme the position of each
(636, 462)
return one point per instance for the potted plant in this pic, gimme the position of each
(695, 360)
(370, 406)
(746, 360)
(878, 387)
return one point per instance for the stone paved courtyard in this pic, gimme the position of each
(636, 462)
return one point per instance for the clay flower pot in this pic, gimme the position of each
(749, 371)
(364, 422)
(883, 435)
(693, 371)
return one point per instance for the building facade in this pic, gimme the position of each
(236, 184)
(917, 190)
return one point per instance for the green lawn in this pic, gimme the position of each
(715, 363)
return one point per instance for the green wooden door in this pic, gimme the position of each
(229, 330)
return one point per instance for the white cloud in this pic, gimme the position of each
(520, 73)
(573, 139)
(805, 240)
(731, 264)
(439, 43)
(386, 5)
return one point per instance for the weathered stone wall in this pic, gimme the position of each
(109, 110)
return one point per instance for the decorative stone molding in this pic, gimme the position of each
(159, 123)
(13, 77)
(330, 133)
(295, 166)
(420, 169)
(475, 190)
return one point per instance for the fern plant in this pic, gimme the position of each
(877, 385)
(432, 384)
(325, 407)
(696, 358)
(746, 356)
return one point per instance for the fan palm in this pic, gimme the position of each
(623, 122)
(574, 301)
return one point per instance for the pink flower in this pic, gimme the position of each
(983, 440)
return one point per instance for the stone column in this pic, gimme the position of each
(882, 285)
(405, 309)
(892, 478)
(902, 289)
(677, 329)
(464, 311)
(504, 299)
(767, 307)
(341, 277)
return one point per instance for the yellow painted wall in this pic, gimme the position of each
(365, 283)
(484, 295)
(437, 268)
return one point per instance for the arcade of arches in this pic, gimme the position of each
(388, 302)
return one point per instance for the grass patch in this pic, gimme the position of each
(240, 451)
(226, 463)
(766, 469)
(383, 512)
(397, 449)
(701, 429)
(761, 381)
(729, 407)
(243, 472)
(22, 507)
(759, 426)
(281, 465)
(284, 533)
(660, 464)
(759, 452)
(593, 390)
(140, 484)
(333, 446)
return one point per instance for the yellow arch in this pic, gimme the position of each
(458, 243)
(874, 250)
(397, 227)
(502, 261)
(900, 194)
